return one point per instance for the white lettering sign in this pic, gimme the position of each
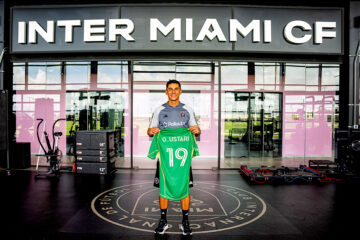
(320, 33)
(299, 24)
(69, 27)
(90, 30)
(47, 35)
(114, 31)
(174, 25)
(206, 32)
(97, 30)
(236, 26)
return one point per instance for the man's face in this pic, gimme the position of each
(173, 91)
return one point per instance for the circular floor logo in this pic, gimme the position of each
(213, 208)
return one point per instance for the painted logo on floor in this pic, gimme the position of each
(213, 208)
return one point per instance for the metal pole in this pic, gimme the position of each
(131, 115)
(7, 117)
(219, 114)
(355, 125)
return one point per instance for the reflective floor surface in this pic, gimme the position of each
(124, 205)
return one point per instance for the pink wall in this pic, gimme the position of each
(26, 123)
(307, 125)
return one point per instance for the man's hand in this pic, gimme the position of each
(153, 131)
(195, 130)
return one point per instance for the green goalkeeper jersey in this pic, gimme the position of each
(175, 149)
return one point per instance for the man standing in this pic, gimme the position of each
(173, 115)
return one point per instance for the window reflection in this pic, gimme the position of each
(267, 73)
(154, 66)
(192, 77)
(330, 76)
(235, 73)
(112, 72)
(194, 67)
(312, 75)
(45, 73)
(308, 105)
(309, 116)
(19, 73)
(77, 72)
(41, 93)
(295, 74)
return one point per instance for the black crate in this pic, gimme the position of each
(20, 156)
(97, 153)
(94, 159)
(322, 164)
(96, 140)
(95, 168)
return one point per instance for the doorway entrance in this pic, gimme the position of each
(253, 124)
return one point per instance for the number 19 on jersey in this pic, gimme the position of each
(180, 154)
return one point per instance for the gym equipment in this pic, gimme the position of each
(95, 152)
(53, 154)
(283, 174)
(348, 151)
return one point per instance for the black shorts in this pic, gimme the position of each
(157, 179)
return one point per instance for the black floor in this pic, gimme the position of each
(124, 206)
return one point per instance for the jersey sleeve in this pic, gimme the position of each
(195, 150)
(154, 147)
(192, 120)
(155, 118)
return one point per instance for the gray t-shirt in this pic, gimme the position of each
(166, 116)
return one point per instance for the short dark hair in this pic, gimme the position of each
(173, 81)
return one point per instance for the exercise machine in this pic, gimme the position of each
(53, 154)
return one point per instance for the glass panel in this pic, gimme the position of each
(19, 73)
(234, 75)
(275, 138)
(236, 127)
(295, 77)
(272, 124)
(77, 72)
(42, 94)
(112, 72)
(310, 117)
(267, 76)
(194, 67)
(252, 128)
(44, 73)
(37, 73)
(96, 111)
(255, 133)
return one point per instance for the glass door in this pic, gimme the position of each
(199, 85)
(256, 126)
(95, 110)
(253, 125)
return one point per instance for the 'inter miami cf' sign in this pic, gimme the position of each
(181, 28)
